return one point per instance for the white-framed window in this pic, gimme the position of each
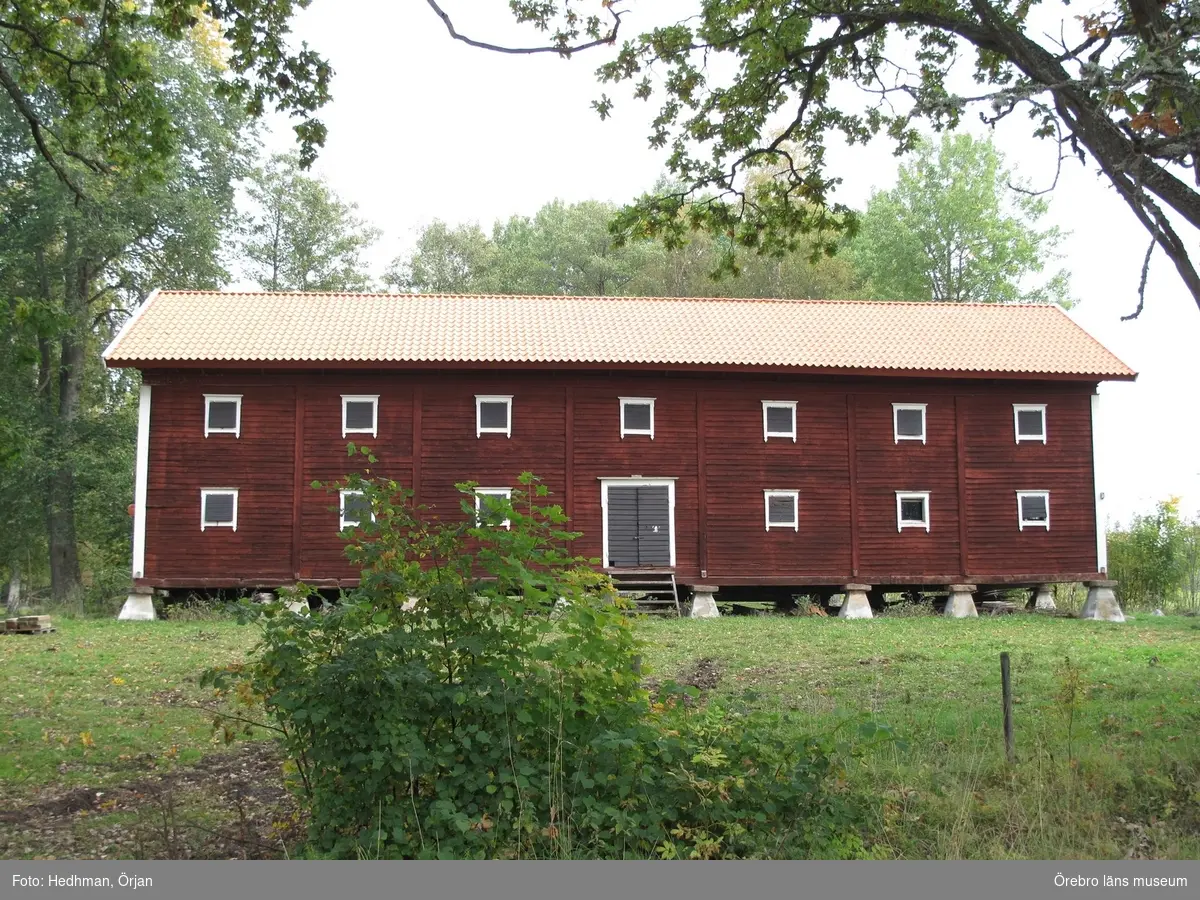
(779, 419)
(353, 509)
(908, 422)
(223, 414)
(493, 414)
(360, 414)
(637, 416)
(483, 507)
(1033, 509)
(218, 508)
(782, 509)
(1029, 421)
(912, 510)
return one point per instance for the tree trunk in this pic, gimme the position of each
(12, 590)
(65, 579)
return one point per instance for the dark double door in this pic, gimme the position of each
(639, 526)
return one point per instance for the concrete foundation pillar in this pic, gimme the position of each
(139, 606)
(704, 604)
(297, 606)
(961, 602)
(855, 605)
(1042, 598)
(1102, 603)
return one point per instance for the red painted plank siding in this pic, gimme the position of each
(885, 466)
(601, 452)
(710, 424)
(998, 467)
(741, 465)
(325, 459)
(453, 453)
(183, 462)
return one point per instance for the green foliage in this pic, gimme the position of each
(953, 230)
(569, 249)
(69, 272)
(479, 696)
(446, 260)
(301, 236)
(84, 78)
(562, 249)
(1154, 559)
(1115, 82)
(1072, 687)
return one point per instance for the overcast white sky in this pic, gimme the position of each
(423, 127)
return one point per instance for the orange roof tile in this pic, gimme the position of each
(225, 328)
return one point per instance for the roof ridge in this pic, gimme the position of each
(831, 301)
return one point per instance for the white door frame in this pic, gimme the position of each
(668, 483)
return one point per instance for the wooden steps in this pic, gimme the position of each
(653, 590)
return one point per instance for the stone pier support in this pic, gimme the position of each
(139, 605)
(961, 602)
(1102, 603)
(855, 605)
(704, 604)
(1042, 598)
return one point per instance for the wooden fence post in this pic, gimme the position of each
(1006, 688)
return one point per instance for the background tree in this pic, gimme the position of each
(301, 236)
(1150, 558)
(446, 260)
(80, 77)
(567, 249)
(1191, 560)
(69, 272)
(953, 230)
(1116, 83)
(564, 249)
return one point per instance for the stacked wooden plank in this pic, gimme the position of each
(28, 625)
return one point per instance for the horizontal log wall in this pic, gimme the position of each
(706, 428)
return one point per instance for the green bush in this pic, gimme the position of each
(1150, 560)
(479, 695)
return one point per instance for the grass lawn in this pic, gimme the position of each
(104, 753)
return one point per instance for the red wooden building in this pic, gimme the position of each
(799, 444)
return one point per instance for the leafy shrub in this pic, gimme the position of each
(479, 696)
(1153, 560)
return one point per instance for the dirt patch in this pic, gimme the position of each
(703, 674)
(228, 805)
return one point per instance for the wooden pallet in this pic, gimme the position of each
(999, 607)
(28, 625)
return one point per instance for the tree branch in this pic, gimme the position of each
(35, 128)
(562, 50)
(1142, 285)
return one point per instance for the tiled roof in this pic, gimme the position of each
(231, 329)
